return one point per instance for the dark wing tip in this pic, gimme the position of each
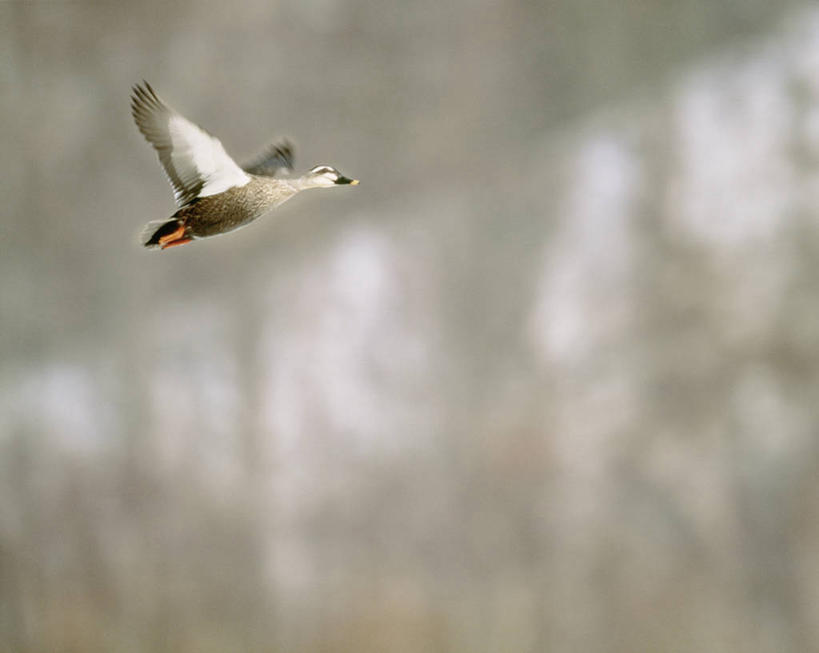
(144, 98)
(275, 157)
(285, 149)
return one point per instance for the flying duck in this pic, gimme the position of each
(213, 193)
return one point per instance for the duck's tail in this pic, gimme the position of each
(163, 233)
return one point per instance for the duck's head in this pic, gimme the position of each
(326, 176)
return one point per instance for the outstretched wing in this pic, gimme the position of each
(194, 161)
(278, 156)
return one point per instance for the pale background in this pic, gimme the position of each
(546, 381)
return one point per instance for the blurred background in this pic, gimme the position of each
(547, 380)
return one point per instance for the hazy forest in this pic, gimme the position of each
(547, 381)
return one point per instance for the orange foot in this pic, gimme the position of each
(176, 237)
(174, 243)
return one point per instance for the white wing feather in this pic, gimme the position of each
(194, 161)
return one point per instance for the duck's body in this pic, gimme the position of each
(214, 194)
(224, 212)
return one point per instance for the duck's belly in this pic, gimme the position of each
(210, 216)
(237, 206)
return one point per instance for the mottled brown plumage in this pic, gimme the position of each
(236, 207)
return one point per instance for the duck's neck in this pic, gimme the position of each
(294, 185)
(301, 183)
(277, 191)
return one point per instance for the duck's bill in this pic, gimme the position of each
(346, 180)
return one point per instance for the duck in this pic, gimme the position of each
(213, 193)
